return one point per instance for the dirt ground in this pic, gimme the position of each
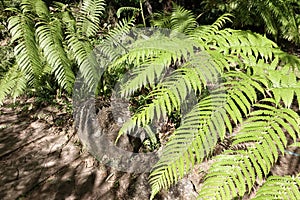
(42, 158)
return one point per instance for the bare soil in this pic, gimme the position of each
(42, 158)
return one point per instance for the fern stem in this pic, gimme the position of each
(142, 12)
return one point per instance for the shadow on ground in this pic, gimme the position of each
(40, 160)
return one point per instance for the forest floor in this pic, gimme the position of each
(42, 158)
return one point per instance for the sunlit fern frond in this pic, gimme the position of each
(235, 172)
(242, 43)
(50, 38)
(191, 142)
(158, 54)
(26, 51)
(242, 93)
(239, 57)
(277, 187)
(213, 121)
(170, 92)
(284, 86)
(90, 14)
(13, 83)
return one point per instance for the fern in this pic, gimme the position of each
(285, 86)
(191, 142)
(50, 43)
(248, 63)
(89, 20)
(27, 54)
(13, 83)
(278, 18)
(180, 20)
(277, 187)
(212, 126)
(124, 9)
(82, 51)
(226, 176)
(50, 36)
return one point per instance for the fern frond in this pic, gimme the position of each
(284, 86)
(191, 142)
(162, 20)
(263, 131)
(277, 187)
(90, 13)
(26, 51)
(278, 17)
(13, 83)
(171, 92)
(127, 8)
(161, 50)
(113, 47)
(85, 59)
(243, 92)
(208, 30)
(244, 44)
(179, 20)
(182, 20)
(28, 6)
(50, 37)
(212, 127)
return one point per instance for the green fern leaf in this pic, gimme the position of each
(260, 155)
(90, 13)
(178, 152)
(286, 186)
(13, 83)
(126, 8)
(50, 36)
(26, 51)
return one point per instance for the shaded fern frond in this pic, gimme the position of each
(113, 46)
(277, 187)
(162, 20)
(83, 55)
(209, 30)
(179, 20)
(279, 18)
(126, 8)
(89, 20)
(182, 20)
